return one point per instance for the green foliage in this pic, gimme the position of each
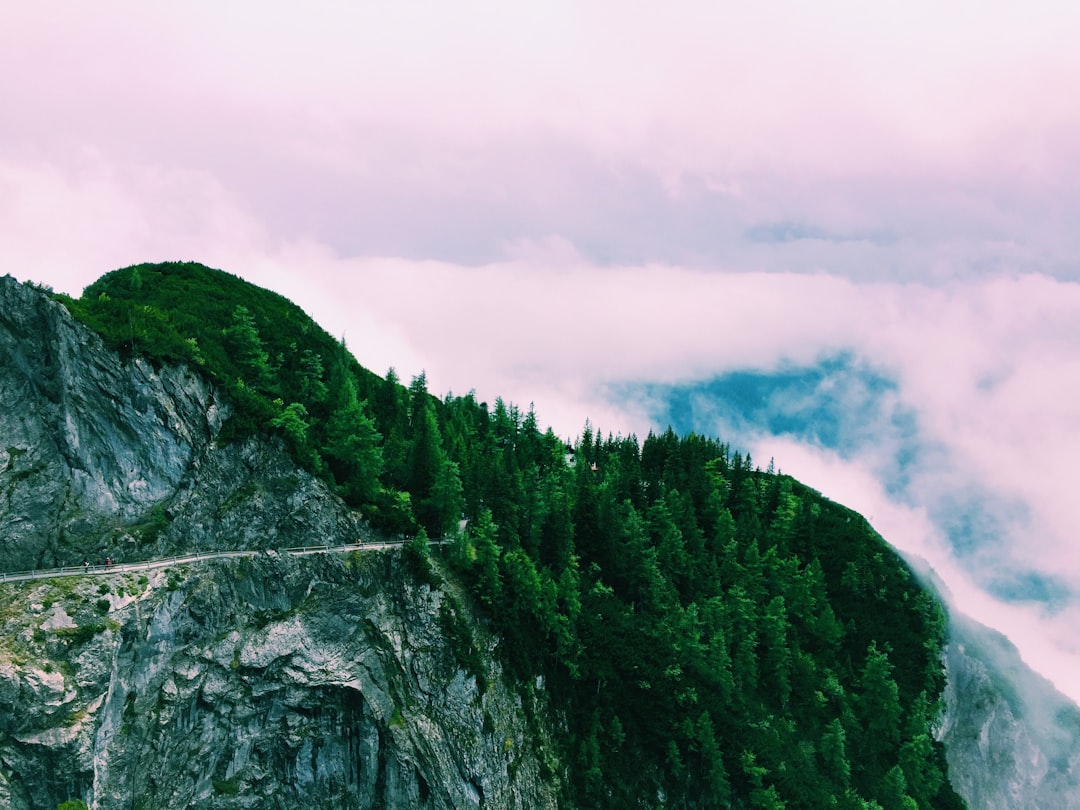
(156, 523)
(418, 558)
(293, 422)
(479, 558)
(80, 634)
(462, 642)
(352, 446)
(245, 347)
(712, 633)
(721, 631)
(279, 370)
(397, 719)
(72, 804)
(433, 479)
(226, 787)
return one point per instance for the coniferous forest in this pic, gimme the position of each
(711, 634)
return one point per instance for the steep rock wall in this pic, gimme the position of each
(322, 682)
(1012, 741)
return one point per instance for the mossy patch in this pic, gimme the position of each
(81, 634)
(238, 497)
(397, 719)
(226, 787)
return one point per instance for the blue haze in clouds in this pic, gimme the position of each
(837, 403)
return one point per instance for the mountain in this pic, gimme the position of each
(607, 623)
(1013, 741)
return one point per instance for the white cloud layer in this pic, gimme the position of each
(546, 201)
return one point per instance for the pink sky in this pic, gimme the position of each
(539, 200)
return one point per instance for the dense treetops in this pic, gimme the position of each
(714, 635)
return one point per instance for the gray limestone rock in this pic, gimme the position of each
(103, 458)
(318, 682)
(1012, 741)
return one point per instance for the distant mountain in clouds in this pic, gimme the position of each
(1012, 740)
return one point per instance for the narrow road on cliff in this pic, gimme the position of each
(199, 556)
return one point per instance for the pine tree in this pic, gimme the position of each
(919, 763)
(833, 752)
(483, 558)
(716, 790)
(443, 507)
(892, 792)
(242, 338)
(352, 446)
(435, 488)
(313, 388)
(775, 651)
(878, 708)
(293, 422)
(392, 420)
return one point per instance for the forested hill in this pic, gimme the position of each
(714, 635)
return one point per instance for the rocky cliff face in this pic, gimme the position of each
(102, 458)
(1012, 741)
(322, 682)
(329, 681)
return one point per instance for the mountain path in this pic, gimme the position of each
(198, 556)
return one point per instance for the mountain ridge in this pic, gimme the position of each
(755, 594)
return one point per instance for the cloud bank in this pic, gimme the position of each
(842, 237)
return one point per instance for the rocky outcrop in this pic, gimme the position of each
(102, 458)
(329, 681)
(1012, 741)
(275, 682)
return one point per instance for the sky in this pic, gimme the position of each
(843, 236)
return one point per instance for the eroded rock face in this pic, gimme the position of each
(319, 682)
(102, 458)
(1012, 741)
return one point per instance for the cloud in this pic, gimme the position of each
(562, 203)
(781, 232)
(901, 141)
(68, 224)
